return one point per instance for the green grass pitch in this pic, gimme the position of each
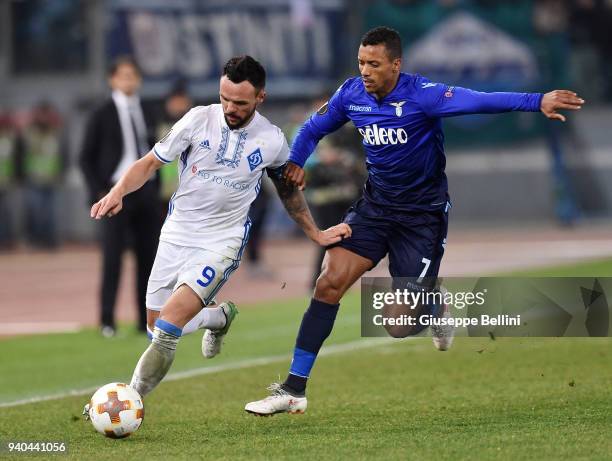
(505, 399)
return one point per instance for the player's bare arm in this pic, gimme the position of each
(133, 179)
(560, 99)
(295, 204)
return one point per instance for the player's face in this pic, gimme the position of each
(378, 72)
(239, 101)
(126, 79)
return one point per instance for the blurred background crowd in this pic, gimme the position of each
(53, 72)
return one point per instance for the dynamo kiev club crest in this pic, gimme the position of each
(254, 159)
(398, 107)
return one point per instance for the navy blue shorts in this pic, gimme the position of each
(413, 240)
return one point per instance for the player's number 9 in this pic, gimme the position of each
(208, 275)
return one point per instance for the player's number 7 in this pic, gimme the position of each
(427, 262)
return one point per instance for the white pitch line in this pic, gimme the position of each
(238, 365)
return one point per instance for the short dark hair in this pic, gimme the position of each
(241, 68)
(386, 36)
(123, 60)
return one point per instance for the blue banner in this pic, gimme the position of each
(300, 43)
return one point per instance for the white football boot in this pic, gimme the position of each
(213, 339)
(443, 335)
(279, 401)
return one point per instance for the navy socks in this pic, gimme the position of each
(317, 324)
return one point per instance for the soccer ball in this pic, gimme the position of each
(116, 410)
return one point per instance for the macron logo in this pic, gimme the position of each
(360, 108)
(376, 136)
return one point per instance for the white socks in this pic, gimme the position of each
(212, 318)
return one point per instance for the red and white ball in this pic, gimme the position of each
(116, 410)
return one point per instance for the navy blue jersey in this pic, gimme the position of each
(402, 134)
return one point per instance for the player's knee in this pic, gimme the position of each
(182, 306)
(396, 331)
(403, 331)
(329, 287)
(402, 321)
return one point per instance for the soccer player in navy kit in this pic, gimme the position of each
(404, 206)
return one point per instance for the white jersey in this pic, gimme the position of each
(220, 173)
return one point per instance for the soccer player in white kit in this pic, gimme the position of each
(223, 150)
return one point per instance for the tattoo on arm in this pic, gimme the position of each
(295, 204)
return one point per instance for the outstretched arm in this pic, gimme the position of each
(133, 179)
(438, 100)
(295, 204)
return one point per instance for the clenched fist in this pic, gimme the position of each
(294, 176)
(108, 206)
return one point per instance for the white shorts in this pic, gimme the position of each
(203, 271)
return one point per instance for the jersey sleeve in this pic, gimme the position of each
(275, 169)
(440, 100)
(177, 139)
(327, 119)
